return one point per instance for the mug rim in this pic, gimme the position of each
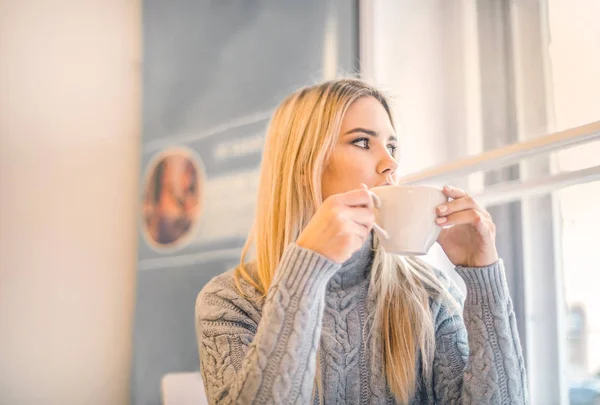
(407, 186)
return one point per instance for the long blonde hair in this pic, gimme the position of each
(300, 139)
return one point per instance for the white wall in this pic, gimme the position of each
(69, 146)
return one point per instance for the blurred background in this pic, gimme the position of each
(131, 135)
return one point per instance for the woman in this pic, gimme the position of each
(323, 314)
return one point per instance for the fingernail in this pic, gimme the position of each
(441, 220)
(363, 185)
(448, 188)
(442, 208)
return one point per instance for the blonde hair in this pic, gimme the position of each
(300, 139)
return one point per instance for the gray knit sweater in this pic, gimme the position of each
(265, 351)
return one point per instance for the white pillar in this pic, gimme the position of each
(69, 156)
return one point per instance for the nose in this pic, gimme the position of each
(387, 165)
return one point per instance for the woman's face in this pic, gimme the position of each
(364, 152)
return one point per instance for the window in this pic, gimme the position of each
(574, 58)
(473, 77)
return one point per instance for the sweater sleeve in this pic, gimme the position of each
(478, 358)
(269, 358)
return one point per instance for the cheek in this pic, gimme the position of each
(342, 165)
(345, 172)
(354, 161)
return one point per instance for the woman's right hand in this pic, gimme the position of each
(340, 226)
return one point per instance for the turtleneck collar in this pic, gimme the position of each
(356, 269)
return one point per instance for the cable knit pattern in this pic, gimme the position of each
(264, 350)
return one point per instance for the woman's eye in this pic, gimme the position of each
(392, 149)
(362, 143)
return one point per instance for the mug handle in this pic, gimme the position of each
(377, 203)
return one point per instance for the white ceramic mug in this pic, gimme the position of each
(405, 218)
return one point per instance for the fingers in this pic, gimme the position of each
(373, 199)
(362, 216)
(471, 216)
(352, 235)
(461, 201)
(366, 216)
(454, 192)
(359, 230)
(355, 209)
(354, 198)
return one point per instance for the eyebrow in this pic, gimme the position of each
(369, 132)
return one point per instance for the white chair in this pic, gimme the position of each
(183, 389)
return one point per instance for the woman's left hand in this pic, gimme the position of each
(471, 240)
